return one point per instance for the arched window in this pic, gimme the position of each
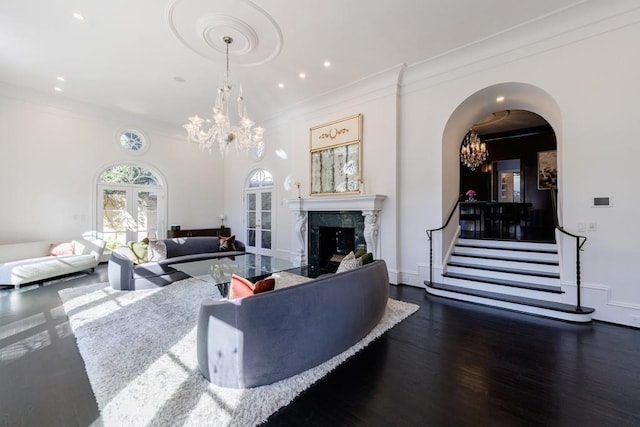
(259, 211)
(130, 204)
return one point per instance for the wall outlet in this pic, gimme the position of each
(592, 226)
(582, 226)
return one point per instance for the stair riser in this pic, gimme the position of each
(571, 317)
(509, 244)
(506, 290)
(507, 276)
(496, 253)
(506, 264)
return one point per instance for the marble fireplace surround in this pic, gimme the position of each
(369, 205)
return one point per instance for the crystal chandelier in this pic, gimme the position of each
(473, 151)
(245, 136)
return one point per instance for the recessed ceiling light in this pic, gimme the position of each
(326, 64)
(500, 99)
(57, 89)
(78, 16)
(60, 78)
(280, 85)
(302, 75)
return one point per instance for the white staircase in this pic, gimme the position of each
(520, 276)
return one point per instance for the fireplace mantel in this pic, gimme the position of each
(369, 204)
(359, 202)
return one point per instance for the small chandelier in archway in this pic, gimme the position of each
(473, 151)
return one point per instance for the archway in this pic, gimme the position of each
(503, 96)
(510, 183)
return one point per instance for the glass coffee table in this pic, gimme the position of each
(254, 267)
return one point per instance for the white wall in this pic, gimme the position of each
(593, 80)
(52, 150)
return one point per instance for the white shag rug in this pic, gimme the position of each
(139, 350)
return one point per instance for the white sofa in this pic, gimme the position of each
(22, 263)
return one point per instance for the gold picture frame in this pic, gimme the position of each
(335, 152)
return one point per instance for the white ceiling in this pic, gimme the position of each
(126, 56)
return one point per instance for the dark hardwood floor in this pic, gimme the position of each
(451, 363)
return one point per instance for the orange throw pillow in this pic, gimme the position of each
(240, 287)
(264, 285)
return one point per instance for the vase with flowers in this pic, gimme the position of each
(471, 195)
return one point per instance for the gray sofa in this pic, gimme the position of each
(271, 336)
(126, 276)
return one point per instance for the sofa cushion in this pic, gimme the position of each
(60, 249)
(367, 258)
(157, 250)
(360, 252)
(227, 243)
(350, 262)
(139, 251)
(264, 285)
(239, 287)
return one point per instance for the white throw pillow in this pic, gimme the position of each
(350, 262)
(157, 250)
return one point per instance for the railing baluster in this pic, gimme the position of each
(430, 236)
(579, 245)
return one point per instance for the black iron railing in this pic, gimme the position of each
(430, 235)
(580, 241)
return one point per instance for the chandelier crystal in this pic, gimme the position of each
(245, 136)
(473, 151)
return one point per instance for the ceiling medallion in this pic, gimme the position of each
(201, 24)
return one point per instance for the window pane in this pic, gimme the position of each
(266, 239)
(251, 219)
(126, 174)
(266, 220)
(251, 201)
(251, 237)
(265, 201)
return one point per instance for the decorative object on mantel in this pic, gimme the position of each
(222, 217)
(471, 195)
(473, 151)
(245, 136)
(336, 156)
(290, 183)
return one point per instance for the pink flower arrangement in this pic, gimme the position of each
(471, 193)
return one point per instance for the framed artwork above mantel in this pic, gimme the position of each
(335, 151)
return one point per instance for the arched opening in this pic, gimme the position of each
(129, 204)
(259, 215)
(480, 105)
(508, 186)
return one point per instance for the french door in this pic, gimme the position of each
(128, 213)
(259, 221)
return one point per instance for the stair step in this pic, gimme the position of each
(546, 274)
(533, 306)
(497, 258)
(504, 282)
(544, 248)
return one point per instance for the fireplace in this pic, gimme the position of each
(332, 235)
(356, 212)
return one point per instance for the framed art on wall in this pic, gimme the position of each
(336, 156)
(547, 170)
